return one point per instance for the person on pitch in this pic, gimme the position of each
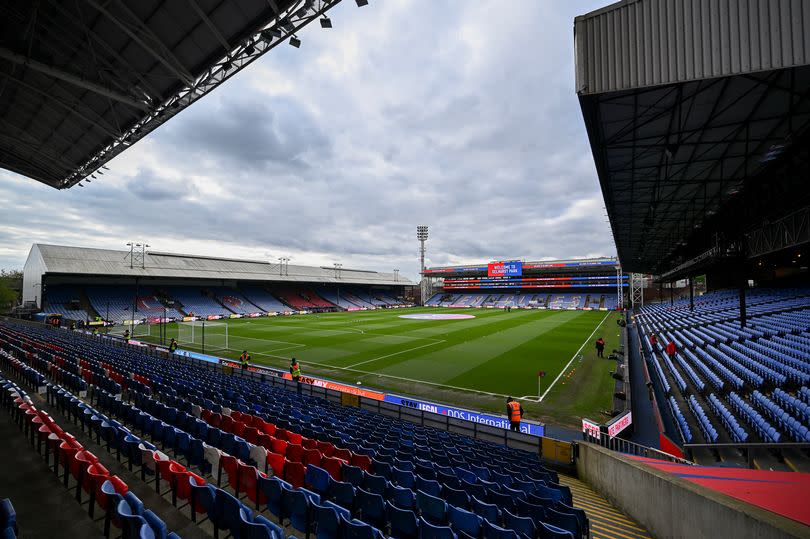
(600, 347)
(514, 411)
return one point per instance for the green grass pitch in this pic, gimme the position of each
(471, 363)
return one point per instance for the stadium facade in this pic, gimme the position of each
(596, 283)
(83, 284)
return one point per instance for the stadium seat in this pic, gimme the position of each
(432, 531)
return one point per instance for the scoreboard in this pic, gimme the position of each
(592, 281)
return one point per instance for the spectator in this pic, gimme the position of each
(671, 349)
(244, 359)
(514, 411)
(172, 346)
(653, 340)
(295, 370)
(126, 336)
(600, 347)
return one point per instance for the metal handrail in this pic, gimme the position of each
(626, 446)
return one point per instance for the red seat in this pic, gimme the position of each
(309, 443)
(294, 438)
(81, 460)
(236, 415)
(216, 420)
(279, 446)
(294, 473)
(281, 434)
(312, 456)
(265, 440)
(343, 454)
(163, 465)
(229, 464)
(226, 423)
(275, 462)
(249, 483)
(334, 466)
(267, 428)
(295, 453)
(361, 461)
(93, 473)
(251, 434)
(326, 448)
(239, 428)
(205, 415)
(183, 489)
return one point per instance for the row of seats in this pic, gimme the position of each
(705, 425)
(760, 424)
(738, 434)
(382, 455)
(683, 426)
(84, 467)
(786, 422)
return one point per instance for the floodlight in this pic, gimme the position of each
(295, 42)
(250, 49)
(326, 22)
(361, 3)
(269, 33)
(422, 232)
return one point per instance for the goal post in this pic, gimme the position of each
(203, 334)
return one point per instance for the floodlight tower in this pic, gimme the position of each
(422, 236)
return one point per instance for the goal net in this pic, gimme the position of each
(203, 335)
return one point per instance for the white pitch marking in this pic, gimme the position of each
(543, 396)
(396, 353)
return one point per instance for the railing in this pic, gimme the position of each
(748, 449)
(631, 448)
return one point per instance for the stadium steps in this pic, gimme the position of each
(606, 522)
(176, 518)
(44, 507)
(214, 298)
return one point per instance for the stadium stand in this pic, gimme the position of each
(295, 456)
(758, 374)
(62, 300)
(233, 300)
(264, 300)
(194, 300)
(119, 302)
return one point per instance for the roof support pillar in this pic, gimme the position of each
(691, 294)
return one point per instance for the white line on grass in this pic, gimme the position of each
(396, 353)
(543, 396)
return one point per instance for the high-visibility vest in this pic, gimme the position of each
(514, 412)
(296, 370)
(243, 358)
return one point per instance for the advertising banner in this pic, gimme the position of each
(590, 427)
(621, 423)
(196, 355)
(505, 269)
(466, 415)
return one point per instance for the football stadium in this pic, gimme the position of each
(660, 392)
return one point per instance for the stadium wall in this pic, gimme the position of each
(668, 506)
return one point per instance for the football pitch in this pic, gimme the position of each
(471, 362)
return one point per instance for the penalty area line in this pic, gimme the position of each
(565, 369)
(395, 353)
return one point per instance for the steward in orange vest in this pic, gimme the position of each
(514, 411)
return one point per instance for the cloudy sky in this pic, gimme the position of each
(458, 115)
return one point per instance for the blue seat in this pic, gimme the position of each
(258, 527)
(474, 489)
(113, 499)
(466, 475)
(501, 499)
(8, 516)
(485, 510)
(491, 531)
(548, 531)
(404, 523)
(354, 529)
(326, 519)
(433, 509)
(131, 523)
(582, 517)
(375, 484)
(317, 479)
(295, 506)
(381, 468)
(271, 487)
(401, 497)
(523, 525)
(371, 507)
(146, 532)
(564, 521)
(456, 497)
(226, 511)
(134, 503)
(403, 478)
(464, 521)
(535, 512)
(201, 496)
(431, 486)
(158, 526)
(342, 494)
(432, 531)
(352, 474)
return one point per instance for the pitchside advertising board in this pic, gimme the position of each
(466, 415)
(505, 269)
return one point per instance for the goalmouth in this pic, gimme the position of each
(203, 334)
